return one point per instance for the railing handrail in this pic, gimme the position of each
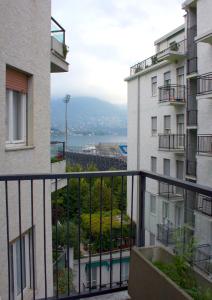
(205, 190)
(62, 29)
(171, 134)
(171, 86)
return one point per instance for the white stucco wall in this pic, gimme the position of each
(25, 45)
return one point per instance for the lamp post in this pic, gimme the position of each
(66, 101)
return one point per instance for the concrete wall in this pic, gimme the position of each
(25, 40)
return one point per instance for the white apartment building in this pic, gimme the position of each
(29, 53)
(170, 126)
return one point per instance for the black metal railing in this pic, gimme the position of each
(204, 205)
(172, 142)
(191, 167)
(178, 47)
(170, 191)
(192, 117)
(204, 144)
(203, 258)
(204, 84)
(143, 65)
(77, 237)
(57, 151)
(191, 65)
(172, 93)
(57, 31)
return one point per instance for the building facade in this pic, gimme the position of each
(169, 127)
(29, 53)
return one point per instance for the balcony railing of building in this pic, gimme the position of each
(204, 205)
(174, 52)
(204, 84)
(191, 65)
(172, 93)
(149, 62)
(84, 234)
(176, 48)
(57, 151)
(191, 167)
(203, 258)
(172, 142)
(170, 191)
(204, 144)
(191, 117)
(58, 44)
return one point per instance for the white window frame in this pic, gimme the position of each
(153, 164)
(167, 129)
(154, 86)
(154, 130)
(165, 210)
(153, 204)
(10, 120)
(13, 266)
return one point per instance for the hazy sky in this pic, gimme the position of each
(105, 38)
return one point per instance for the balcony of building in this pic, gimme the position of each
(204, 205)
(203, 258)
(191, 168)
(59, 49)
(174, 53)
(143, 65)
(204, 144)
(191, 118)
(170, 192)
(172, 142)
(172, 94)
(205, 37)
(204, 85)
(58, 163)
(83, 247)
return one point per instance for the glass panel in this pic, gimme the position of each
(17, 117)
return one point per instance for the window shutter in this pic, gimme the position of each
(16, 81)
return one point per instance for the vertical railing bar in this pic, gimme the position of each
(122, 194)
(44, 235)
(141, 210)
(33, 250)
(100, 248)
(79, 237)
(56, 233)
(90, 233)
(131, 214)
(68, 231)
(111, 230)
(8, 238)
(20, 237)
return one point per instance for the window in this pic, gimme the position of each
(152, 204)
(153, 164)
(167, 78)
(180, 76)
(151, 239)
(165, 210)
(154, 125)
(20, 265)
(15, 117)
(16, 106)
(178, 216)
(166, 167)
(167, 124)
(154, 86)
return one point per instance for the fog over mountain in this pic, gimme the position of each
(87, 114)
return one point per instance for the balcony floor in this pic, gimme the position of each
(115, 296)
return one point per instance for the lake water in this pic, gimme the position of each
(79, 141)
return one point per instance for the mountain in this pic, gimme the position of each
(89, 115)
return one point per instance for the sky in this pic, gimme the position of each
(105, 38)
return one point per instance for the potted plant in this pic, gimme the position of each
(156, 273)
